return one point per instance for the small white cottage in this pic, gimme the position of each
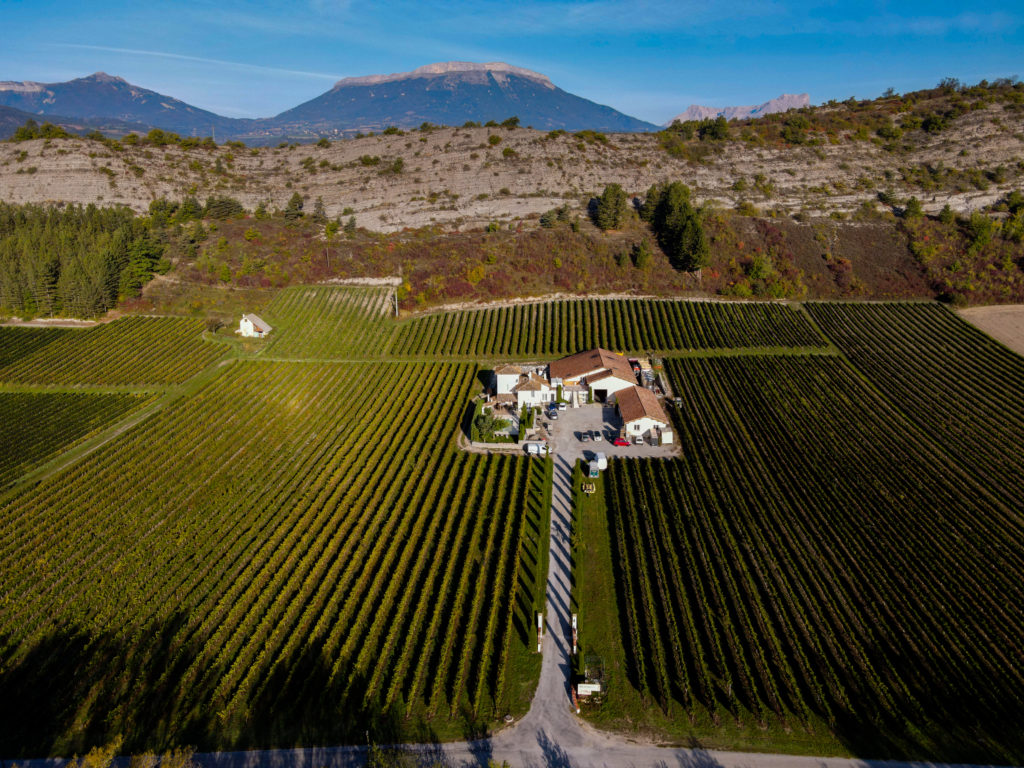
(254, 327)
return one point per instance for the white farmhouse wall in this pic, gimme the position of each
(535, 397)
(613, 384)
(504, 383)
(246, 328)
(642, 425)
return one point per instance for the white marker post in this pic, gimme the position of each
(574, 634)
(540, 630)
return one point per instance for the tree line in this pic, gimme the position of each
(72, 260)
(676, 223)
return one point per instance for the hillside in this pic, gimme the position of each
(470, 176)
(107, 99)
(445, 93)
(449, 93)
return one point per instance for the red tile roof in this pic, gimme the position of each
(582, 363)
(636, 403)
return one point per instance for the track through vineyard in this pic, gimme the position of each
(35, 426)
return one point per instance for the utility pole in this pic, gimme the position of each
(394, 294)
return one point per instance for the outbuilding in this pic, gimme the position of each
(641, 412)
(253, 326)
(601, 373)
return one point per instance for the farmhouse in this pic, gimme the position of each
(514, 384)
(253, 326)
(641, 413)
(597, 371)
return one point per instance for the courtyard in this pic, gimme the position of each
(572, 423)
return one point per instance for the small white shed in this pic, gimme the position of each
(253, 326)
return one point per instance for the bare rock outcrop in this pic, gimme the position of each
(454, 177)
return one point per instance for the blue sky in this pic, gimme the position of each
(648, 58)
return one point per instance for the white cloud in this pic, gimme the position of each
(182, 57)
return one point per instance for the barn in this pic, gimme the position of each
(641, 412)
(596, 371)
(253, 326)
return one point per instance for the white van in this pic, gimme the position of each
(600, 461)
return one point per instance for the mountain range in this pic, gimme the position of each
(448, 93)
(783, 103)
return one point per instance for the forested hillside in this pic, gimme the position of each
(73, 261)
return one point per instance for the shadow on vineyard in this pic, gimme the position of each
(71, 691)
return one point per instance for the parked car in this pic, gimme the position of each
(638, 440)
(562, 406)
(597, 436)
(553, 415)
(600, 460)
(584, 437)
(620, 441)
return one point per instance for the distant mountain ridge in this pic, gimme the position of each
(444, 93)
(783, 103)
(101, 96)
(452, 93)
(444, 68)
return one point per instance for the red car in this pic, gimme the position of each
(620, 441)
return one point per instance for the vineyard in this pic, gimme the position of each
(329, 323)
(309, 568)
(35, 426)
(814, 573)
(564, 327)
(963, 389)
(289, 549)
(18, 342)
(134, 351)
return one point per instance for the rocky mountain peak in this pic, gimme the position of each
(783, 103)
(103, 77)
(449, 68)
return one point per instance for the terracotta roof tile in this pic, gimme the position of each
(636, 403)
